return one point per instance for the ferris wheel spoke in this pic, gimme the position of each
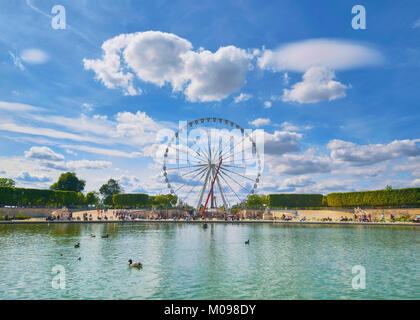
(192, 166)
(224, 169)
(191, 162)
(191, 179)
(243, 160)
(189, 172)
(232, 166)
(193, 187)
(231, 156)
(221, 192)
(191, 154)
(236, 182)
(228, 184)
(233, 147)
(203, 189)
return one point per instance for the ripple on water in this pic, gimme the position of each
(183, 261)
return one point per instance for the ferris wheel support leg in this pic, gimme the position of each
(223, 196)
(202, 191)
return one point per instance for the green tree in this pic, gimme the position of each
(108, 189)
(5, 182)
(388, 188)
(69, 182)
(164, 200)
(257, 201)
(92, 198)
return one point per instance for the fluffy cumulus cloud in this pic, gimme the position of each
(291, 184)
(299, 164)
(27, 177)
(164, 58)
(333, 54)
(317, 84)
(267, 104)
(43, 153)
(360, 155)
(318, 59)
(260, 122)
(281, 142)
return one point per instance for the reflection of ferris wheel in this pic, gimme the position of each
(209, 159)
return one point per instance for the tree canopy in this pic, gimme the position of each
(92, 198)
(108, 189)
(69, 182)
(6, 182)
(257, 201)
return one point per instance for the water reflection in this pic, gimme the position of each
(185, 261)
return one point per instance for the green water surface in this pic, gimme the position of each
(185, 261)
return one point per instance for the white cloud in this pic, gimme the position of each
(51, 133)
(361, 155)
(288, 126)
(242, 97)
(160, 58)
(103, 151)
(412, 167)
(43, 153)
(416, 24)
(333, 54)
(281, 142)
(293, 164)
(333, 185)
(69, 151)
(15, 107)
(27, 177)
(290, 184)
(88, 164)
(286, 78)
(318, 84)
(77, 165)
(34, 56)
(260, 122)
(267, 104)
(17, 61)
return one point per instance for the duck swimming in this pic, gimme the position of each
(247, 241)
(105, 236)
(77, 245)
(134, 264)
(92, 235)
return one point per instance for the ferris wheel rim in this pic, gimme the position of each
(223, 175)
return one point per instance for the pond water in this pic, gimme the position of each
(185, 261)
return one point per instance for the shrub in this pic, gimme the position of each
(390, 197)
(295, 200)
(133, 200)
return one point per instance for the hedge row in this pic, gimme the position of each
(36, 197)
(393, 197)
(295, 200)
(133, 200)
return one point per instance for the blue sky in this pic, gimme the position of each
(339, 106)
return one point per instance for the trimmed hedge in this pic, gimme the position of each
(394, 197)
(132, 200)
(295, 200)
(39, 197)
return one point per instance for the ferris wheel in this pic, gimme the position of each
(212, 160)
